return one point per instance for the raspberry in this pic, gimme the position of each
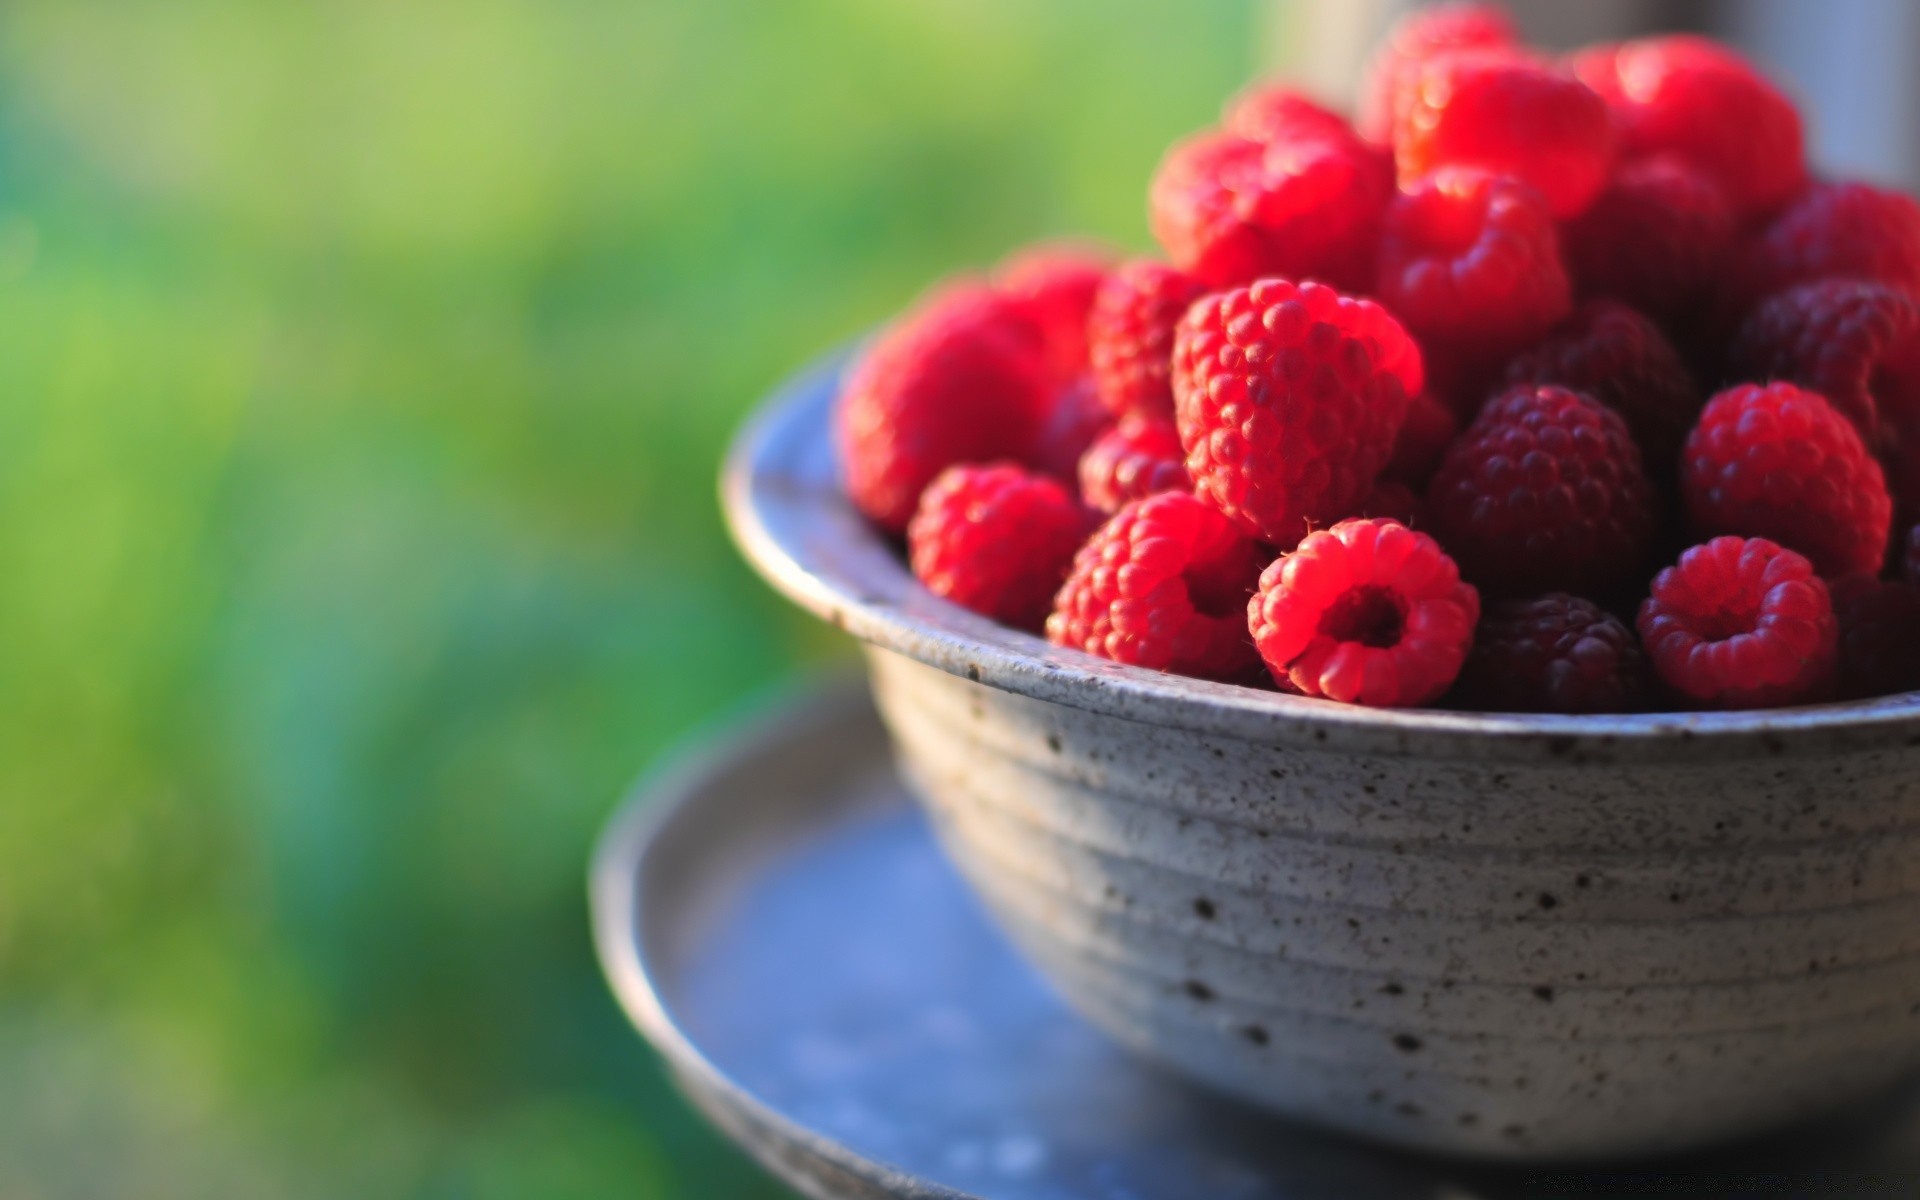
(997, 540)
(1135, 459)
(1230, 209)
(1553, 653)
(1833, 230)
(1428, 430)
(1288, 397)
(959, 379)
(1857, 344)
(1545, 489)
(1471, 262)
(1130, 335)
(1074, 418)
(1273, 111)
(1621, 359)
(1704, 103)
(1656, 237)
(1052, 285)
(1367, 612)
(1778, 462)
(1740, 623)
(1163, 584)
(1878, 654)
(1508, 114)
(1414, 40)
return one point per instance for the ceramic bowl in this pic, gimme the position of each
(1513, 936)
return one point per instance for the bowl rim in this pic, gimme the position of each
(784, 505)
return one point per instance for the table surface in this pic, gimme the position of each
(778, 920)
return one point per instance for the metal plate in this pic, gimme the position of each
(778, 921)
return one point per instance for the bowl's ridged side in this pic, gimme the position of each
(1531, 959)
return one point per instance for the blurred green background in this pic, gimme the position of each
(363, 371)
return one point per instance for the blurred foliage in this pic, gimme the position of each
(363, 369)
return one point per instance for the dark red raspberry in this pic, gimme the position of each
(1417, 38)
(1163, 584)
(996, 539)
(961, 378)
(1831, 231)
(1288, 397)
(1740, 623)
(1703, 102)
(1135, 459)
(1621, 359)
(1778, 462)
(1879, 654)
(1554, 653)
(1510, 114)
(1544, 490)
(1270, 112)
(1857, 344)
(1130, 335)
(1428, 430)
(1230, 209)
(1471, 262)
(1657, 238)
(1052, 285)
(1073, 420)
(1367, 612)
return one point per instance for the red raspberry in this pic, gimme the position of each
(1270, 112)
(1621, 359)
(1230, 209)
(1509, 114)
(1656, 237)
(1740, 623)
(1471, 262)
(1553, 653)
(1833, 230)
(1544, 490)
(1135, 459)
(1288, 397)
(1163, 584)
(1074, 419)
(1857, 344)
(1052, 285)
(1878, 654)
(1428, 430)
(1414, 40)
(1130, 335)
(961, 378)
(1701, 101)
(997, 540)
(1367, 612)
(1778, 462)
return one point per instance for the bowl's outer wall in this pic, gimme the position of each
(1519, 936)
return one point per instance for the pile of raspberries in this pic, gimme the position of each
(1545, 385)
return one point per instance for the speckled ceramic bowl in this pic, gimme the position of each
(1526, 937)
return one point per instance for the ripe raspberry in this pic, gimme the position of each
(1553, 653)
(1414, 40)
(1544, 490)
(1740, 623)
(961, 378)
(1471, 262)
(1509, 114)
(1130, 335)
(1052, 285)
(1270, 112)
(1288, 397)
(1074, 419)
(997, 540)
(1621, 359)
(1878, 652)
(1428, 430)
(1231, 209)
(1778, 462)
(1135, 459)
(1163, 584)
(1831, 231)
(1857, 344)
(1657, 237)
(1367, 612)
(1701, 101)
